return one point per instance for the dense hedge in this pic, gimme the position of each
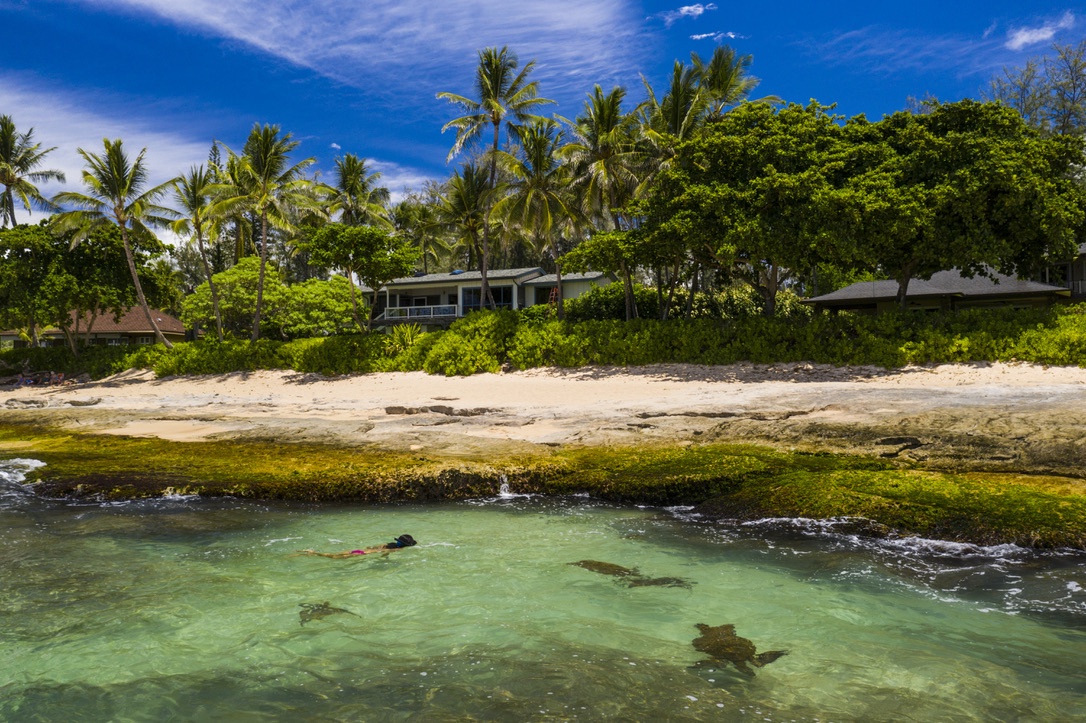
(489, 341)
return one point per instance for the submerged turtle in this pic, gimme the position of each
(631, 575)
(722, 644)
(607, 568)
(316, 611)
(660, 582)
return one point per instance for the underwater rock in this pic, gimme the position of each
(722, 644)
(316, 611)
(631, 575)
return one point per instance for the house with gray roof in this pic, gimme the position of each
(945, 291)
(438, 299)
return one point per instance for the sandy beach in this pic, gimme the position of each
(1016, 417)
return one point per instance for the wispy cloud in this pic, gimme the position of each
(718, 37)
(335, 147)
(66, 120)
(1024, 37)
(391, 45)
(886, 52)
(670, 17)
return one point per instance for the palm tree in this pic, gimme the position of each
(726, 80)
(504, 95)
(194, 195)
(116, 195)
(19, 156)
(267, 185)
(356, 196)
(538, 199)
(464, 209)
(608, 162)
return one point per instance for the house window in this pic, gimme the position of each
(145, 340)
(503, 298)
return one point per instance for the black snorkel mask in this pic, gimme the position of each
(405, 541)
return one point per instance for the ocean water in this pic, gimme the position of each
(186, 609)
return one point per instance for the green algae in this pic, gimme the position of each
(727, 481)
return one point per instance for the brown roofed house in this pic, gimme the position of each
(131, 328)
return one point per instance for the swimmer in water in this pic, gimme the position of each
(398, 544)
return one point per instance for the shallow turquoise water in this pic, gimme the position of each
(187, 609)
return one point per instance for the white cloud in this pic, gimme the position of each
(719, 37)
(399, 180)
(391, 46)
(1020, 38)
(336, 147)
(64, 119)
(670, 17)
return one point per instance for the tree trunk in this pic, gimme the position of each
(210, 283)
(903, 285)
(260, 276)
(631, 301)
(561, 298)
(672, 283)
(769, 291)
(354, 303)
(486, 298)
(139, 289)
(693, 290)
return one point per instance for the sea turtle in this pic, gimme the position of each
(316, 611)
(660, 582)
(631, 575)
(607, 568)
(722, 644)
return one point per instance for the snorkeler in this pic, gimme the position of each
(398, 544)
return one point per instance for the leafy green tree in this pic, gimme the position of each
(268, 185)
(375, 255)
(19, 157)
(237, 299)
(504, 95)
(117, 194)
(752, 194)
(317, 308)
(194, 195)
(311, 308)
(968, 186)
(45, 283)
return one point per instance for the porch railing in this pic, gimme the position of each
(420, 312)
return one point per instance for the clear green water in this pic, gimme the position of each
(189, 610)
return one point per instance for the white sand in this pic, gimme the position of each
(596, 405)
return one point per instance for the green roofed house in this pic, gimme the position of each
(945, 291)
(439, 299)
(131, 328)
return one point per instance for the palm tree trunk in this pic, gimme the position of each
(484, 286)
(558, 274)
(210, 283)
(260, 276)
(139, 289)
(354, 302)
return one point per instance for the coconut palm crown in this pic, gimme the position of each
(19, 157)
(117, 194)
(270, 186)
(504, 96)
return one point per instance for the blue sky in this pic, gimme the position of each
(361, 76)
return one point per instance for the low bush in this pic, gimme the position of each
(485, 341)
